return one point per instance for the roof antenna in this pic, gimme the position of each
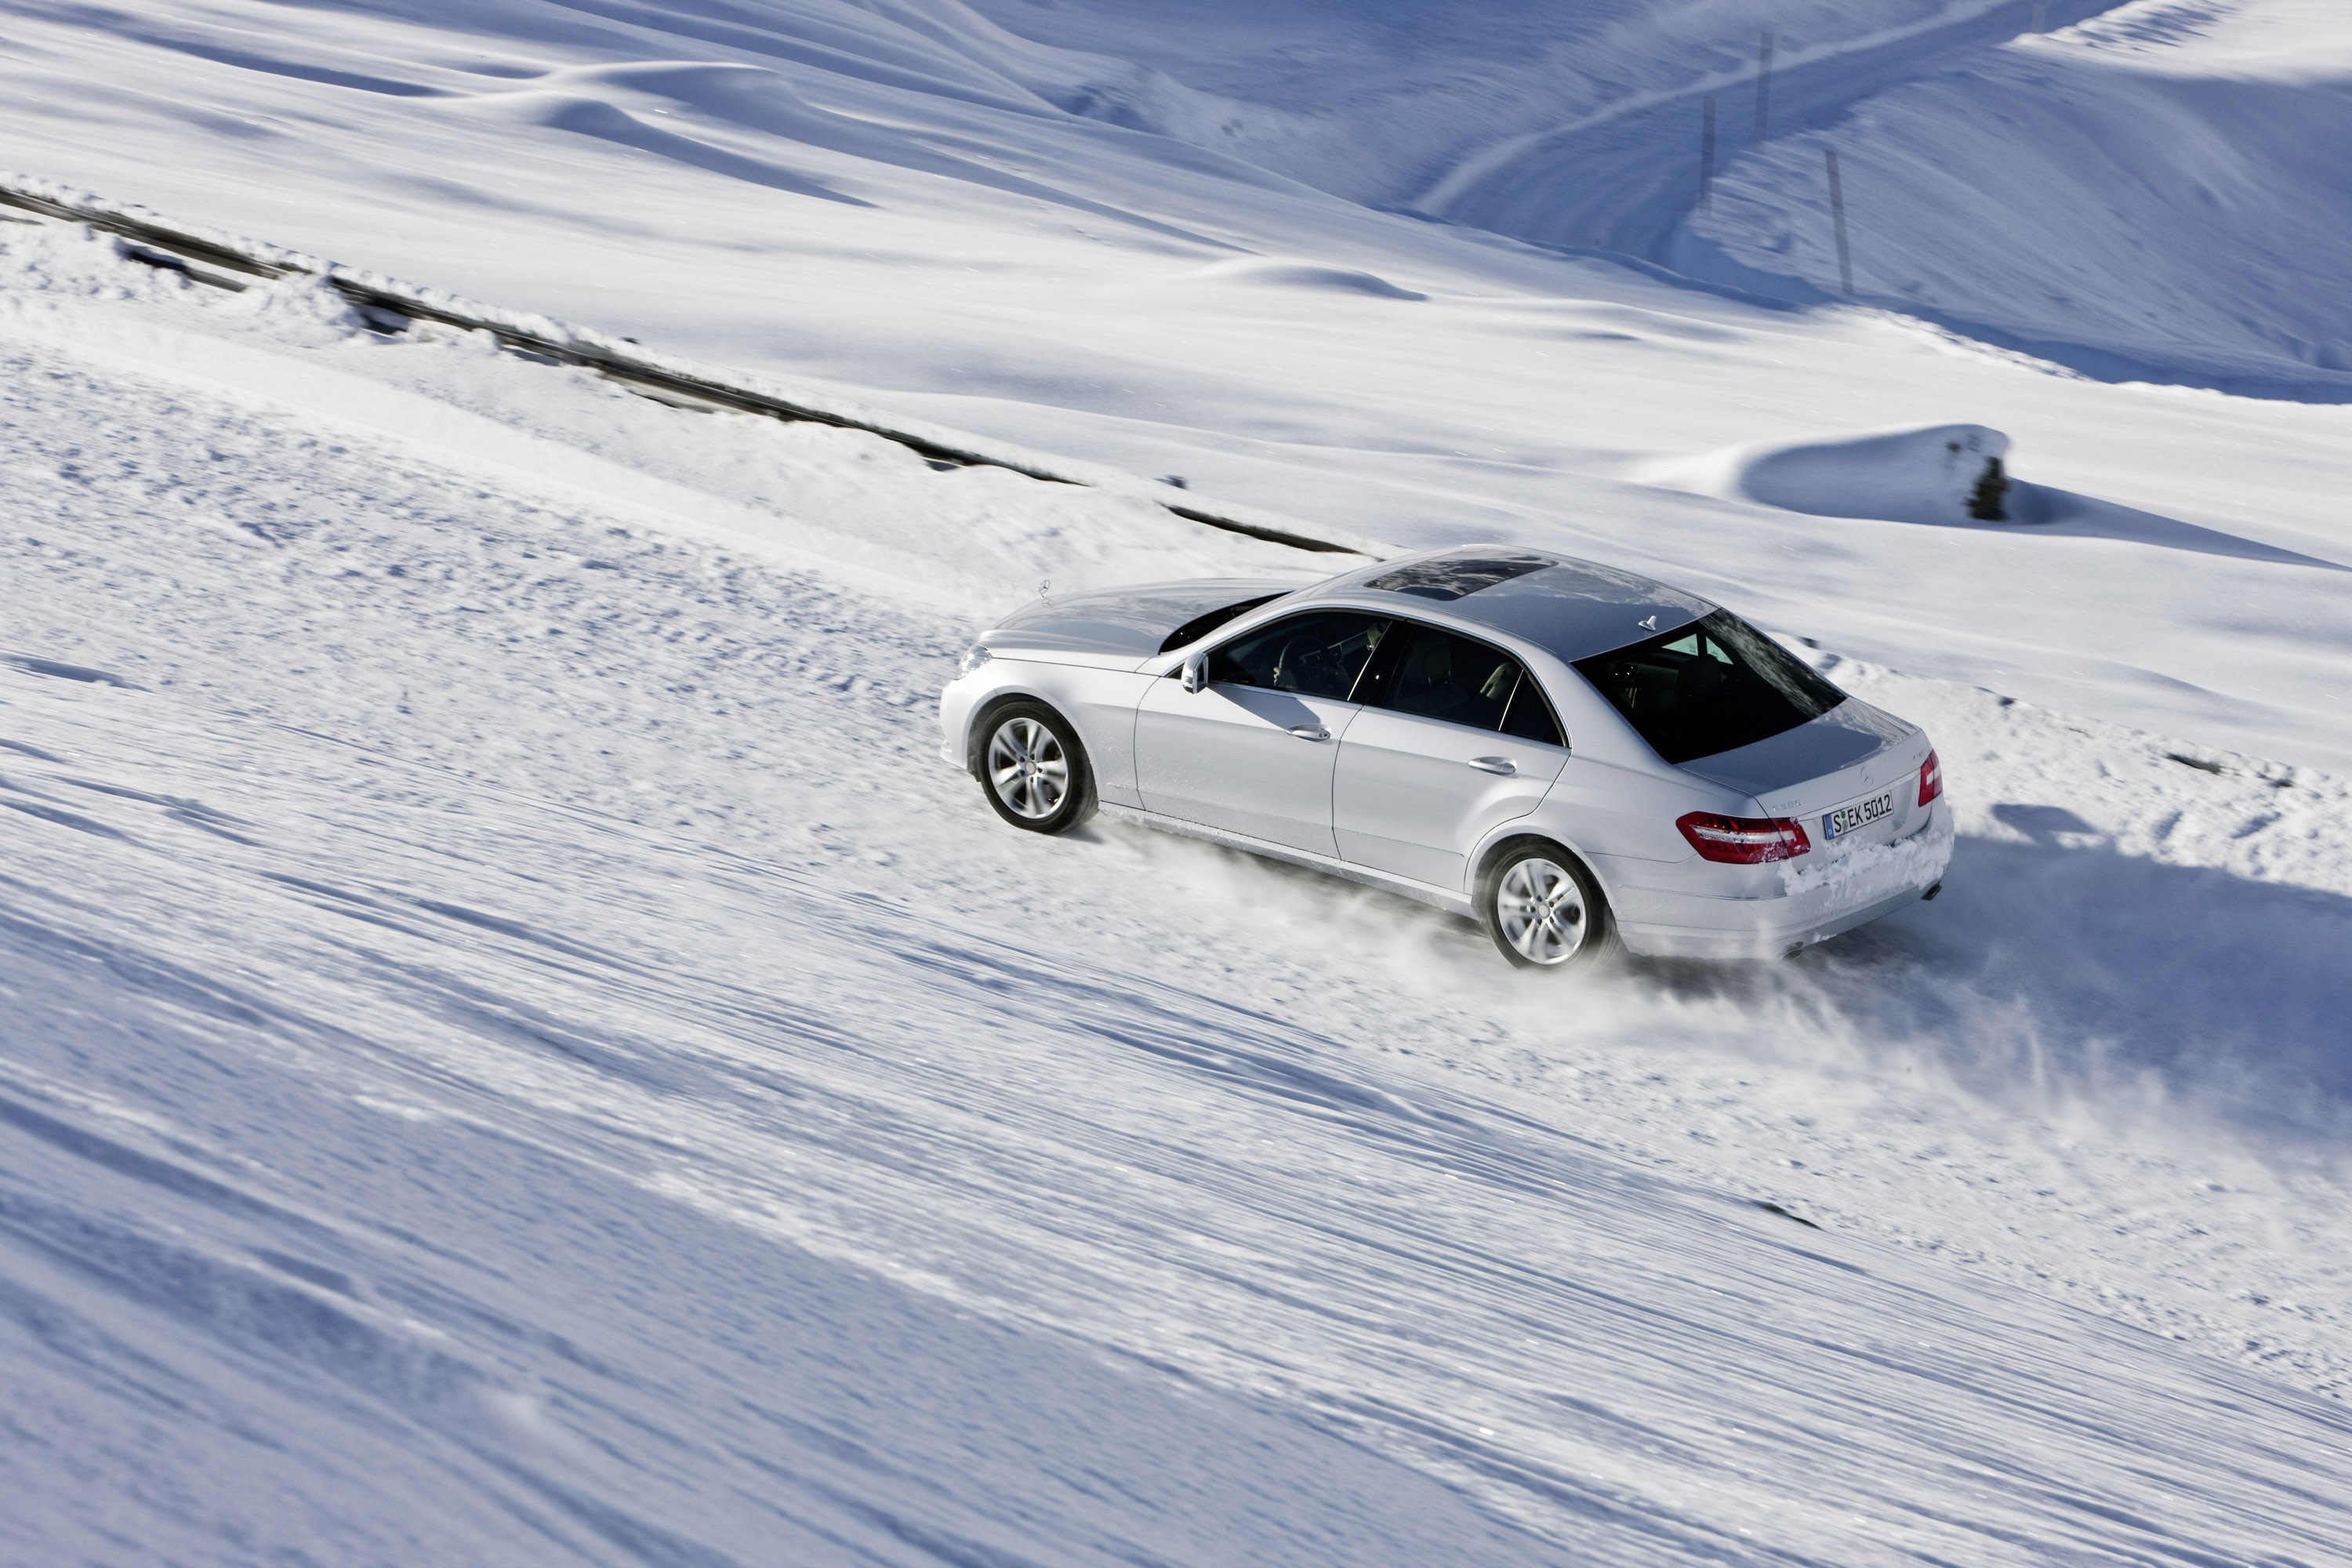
(1648, 623)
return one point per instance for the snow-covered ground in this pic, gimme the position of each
(512, 1050)
(997, 263)
(517, 1052)
(2202, 150)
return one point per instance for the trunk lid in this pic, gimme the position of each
(1853, 756)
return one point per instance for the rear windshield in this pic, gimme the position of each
(1708, 686)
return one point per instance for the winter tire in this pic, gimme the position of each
(1543, 908)
(1033, 769)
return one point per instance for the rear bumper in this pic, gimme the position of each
(1809, 904)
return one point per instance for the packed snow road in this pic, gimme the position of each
(515, 1051)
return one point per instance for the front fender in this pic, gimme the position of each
(1099, 703)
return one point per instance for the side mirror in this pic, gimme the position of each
(1196, 671)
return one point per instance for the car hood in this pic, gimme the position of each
(1132, 622)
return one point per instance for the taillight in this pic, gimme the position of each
(1931, 780)
(1745, 840)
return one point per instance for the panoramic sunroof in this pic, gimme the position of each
(1454, 576)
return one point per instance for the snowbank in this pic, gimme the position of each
(1928, 473)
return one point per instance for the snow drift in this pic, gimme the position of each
(1928, 473)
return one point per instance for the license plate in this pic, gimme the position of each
(1853, 819)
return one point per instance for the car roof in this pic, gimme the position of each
(1571, 609)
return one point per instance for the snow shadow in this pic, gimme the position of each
(593, 117)
(300, 70)
(2060, 973)
(1698, 264)
(437, 1315)
(2049, 509)
(2055, 975)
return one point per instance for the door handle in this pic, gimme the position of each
(1310, 732)
(1495, 764)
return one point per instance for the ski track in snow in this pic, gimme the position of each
(518, 1051)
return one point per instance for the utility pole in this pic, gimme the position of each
(1706, 153)
(1837, 224)
(1763, 89)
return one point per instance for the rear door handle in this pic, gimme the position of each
(1495, 764)
(1310, 732)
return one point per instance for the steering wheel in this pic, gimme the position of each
(1305, 665)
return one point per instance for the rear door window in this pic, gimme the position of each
(1317, 655)
(1530, 715)
(1712, 685)
(1436, 674)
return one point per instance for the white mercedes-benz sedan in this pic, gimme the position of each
(1576, 756)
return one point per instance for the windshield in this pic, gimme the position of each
(1199, 626)
(1711, 686)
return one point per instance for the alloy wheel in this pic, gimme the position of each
(1540, 911)
(1028, 769)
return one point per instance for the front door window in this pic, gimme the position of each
(1252, 750)
(1318, 655)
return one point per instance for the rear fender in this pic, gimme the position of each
(1482, 861)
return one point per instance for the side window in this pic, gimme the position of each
(1530, 718)
(1441, 675)
(1318, 654)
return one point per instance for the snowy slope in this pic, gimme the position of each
(511, 1048)
(514, 1052)
(2168, 186)
(888, 201)
(1392, 104)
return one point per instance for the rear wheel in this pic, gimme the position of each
(1033, 769)
(1543, 908)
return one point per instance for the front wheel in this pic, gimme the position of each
(1543, 908)
(1033, 769)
